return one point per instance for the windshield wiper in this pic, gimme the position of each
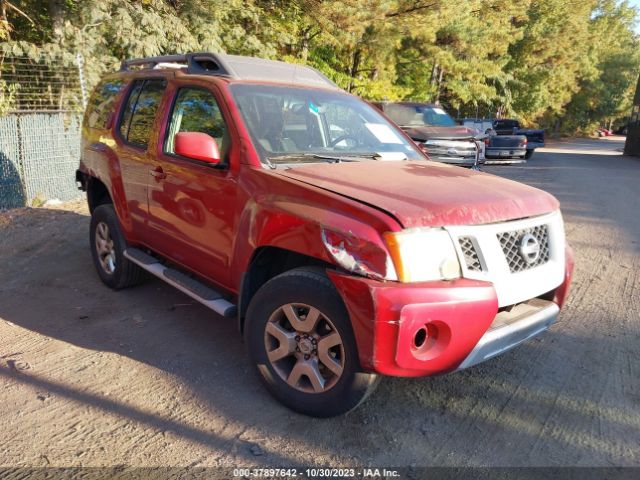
(380, 156)
(319, 156)
(345, 157)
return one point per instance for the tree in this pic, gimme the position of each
(568, 65)
(607, 93)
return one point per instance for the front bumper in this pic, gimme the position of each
(510, 329)
(460, 152)
(461, 161)
(460, 321)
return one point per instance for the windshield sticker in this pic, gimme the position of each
(439, 111)
(391, 156)
(383, 133)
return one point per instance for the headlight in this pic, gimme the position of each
(359, 256)
(423, 254)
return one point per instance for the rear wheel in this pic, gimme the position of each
(301, 341)
(529, 154)
(107, 248)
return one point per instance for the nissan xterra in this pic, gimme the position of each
(274, 198)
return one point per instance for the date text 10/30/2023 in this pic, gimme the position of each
(315, 473)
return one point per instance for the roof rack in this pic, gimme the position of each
(199, 63)
(234, 66)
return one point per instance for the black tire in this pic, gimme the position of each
(529, 154)
(125, 273)
(310, 287)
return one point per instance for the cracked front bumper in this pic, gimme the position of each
(461, 322)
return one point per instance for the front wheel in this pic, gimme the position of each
(301, 341)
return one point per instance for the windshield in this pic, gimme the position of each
(407, 115)
(314, 124)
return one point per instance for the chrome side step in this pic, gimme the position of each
(204, 294)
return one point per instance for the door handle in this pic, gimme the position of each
(158, 173)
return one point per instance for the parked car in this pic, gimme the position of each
(433, 129)
(499, 149)
(535, 138)
(505, 149)
(282, 203)
(604, 132)
(622, 130)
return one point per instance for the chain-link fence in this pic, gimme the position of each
(41, 104)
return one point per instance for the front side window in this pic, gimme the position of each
(196, 110)
(290, 121)
(416, 115)
(139, 114)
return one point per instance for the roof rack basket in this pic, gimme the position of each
(236, 67)
(196, 63)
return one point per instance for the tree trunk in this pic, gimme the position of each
(56, 11)
(355, 66)
(4, 21)
(434, 74)
(304, 45)
(439, 84)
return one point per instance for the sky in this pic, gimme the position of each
(636, 3)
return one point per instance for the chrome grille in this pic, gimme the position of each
(470, 253)
(511, 246)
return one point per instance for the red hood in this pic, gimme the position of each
(420, 193)
(427, 132)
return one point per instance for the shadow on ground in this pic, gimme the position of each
(569, 397)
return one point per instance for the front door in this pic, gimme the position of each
(192, 203)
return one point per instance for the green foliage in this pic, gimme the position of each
(7, 95)
(566, 65)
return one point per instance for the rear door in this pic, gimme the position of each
(134, 134)
(192, 204)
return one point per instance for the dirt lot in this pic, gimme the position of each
(147, 377)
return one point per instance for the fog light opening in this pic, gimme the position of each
(430, 340)
(420, 337)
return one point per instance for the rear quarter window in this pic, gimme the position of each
(102, 103)
(139, 114)
(506, 124)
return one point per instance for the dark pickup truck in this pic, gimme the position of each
(505, 149)
(435, 132)
(535, 138)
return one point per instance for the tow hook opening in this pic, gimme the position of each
(425, 338)
(420, 337)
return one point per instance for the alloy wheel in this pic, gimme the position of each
(304, 348)
(105, 248)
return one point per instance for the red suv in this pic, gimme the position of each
(274, 198)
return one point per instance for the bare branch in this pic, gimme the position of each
(19, 11)
(410, 10)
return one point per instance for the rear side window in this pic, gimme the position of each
(101, 103)
(139, 113)
(506, 124)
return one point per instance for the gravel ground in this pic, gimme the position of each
(147, 377)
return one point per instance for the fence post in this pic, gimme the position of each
(83, 86)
